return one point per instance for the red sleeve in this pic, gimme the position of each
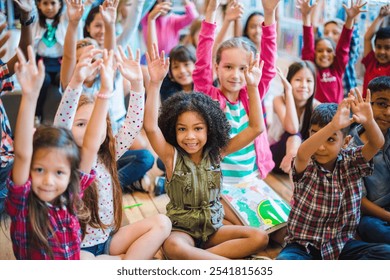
(268, 55)
(308, 43)
(342, 51)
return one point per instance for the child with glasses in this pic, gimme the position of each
(374, 224)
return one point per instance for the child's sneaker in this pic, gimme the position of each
(159, 185)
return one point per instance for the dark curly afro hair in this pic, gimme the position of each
(218, 126)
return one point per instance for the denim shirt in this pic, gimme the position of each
(377, 186)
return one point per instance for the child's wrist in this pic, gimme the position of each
(105, 94)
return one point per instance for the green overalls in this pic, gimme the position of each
(194, 193)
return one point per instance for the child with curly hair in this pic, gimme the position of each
(191, 136)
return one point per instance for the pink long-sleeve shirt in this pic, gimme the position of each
(168, 27)
(329, 86)
(203, 82)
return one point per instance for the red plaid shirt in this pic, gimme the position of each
(326, 208)
(6, 147)
(66, 242)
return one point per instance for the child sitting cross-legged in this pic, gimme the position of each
(328, 183)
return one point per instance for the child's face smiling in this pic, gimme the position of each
(382, 50)
(96, 29)
(230, 70)
(182, 72)
(191, 134)
(327, 153)
(254, 30)
(324, 54)
(50, 173)
(381, 114)
(333, 31)
(302, 84)
(49, 8)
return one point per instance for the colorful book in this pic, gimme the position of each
(257, 204)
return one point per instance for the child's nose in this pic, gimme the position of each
(321, 148)
(48, 179)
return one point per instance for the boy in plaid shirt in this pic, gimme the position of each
(328, 185)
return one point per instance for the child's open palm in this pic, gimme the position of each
(129, 67)
(158, 65)
(342, 117)
(269, 5)
(234, 11)
(384, 11)
(30, 76)
(361, 109)
(25, 5)
(108, 11)
(305, 7)
(107, 72)
(355, 9)
(74, 9)
(85, 67)
(253, 71)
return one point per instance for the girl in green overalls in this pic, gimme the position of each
(191, 136)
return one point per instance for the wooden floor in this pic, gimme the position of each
(152, 205)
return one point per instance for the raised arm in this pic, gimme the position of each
(308, 34)
(131, 22)
(256, 122)
(340, 120)
(97, 125)
(70, 98)
(362, 113)
(284, 107)
(108, 11)
(158, 67)
(384, 11)
(234, 12)
(203, 72)
(161, 9)
(130, 69)
(27, 18)
(181, 21)
(30, 78)
(74, 10)
(352, 12)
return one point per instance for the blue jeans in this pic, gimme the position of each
(373, 229)
(4, 173)
(133, 165)
(353, 250)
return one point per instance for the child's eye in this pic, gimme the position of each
(59, 172)
(180, 128)
(198, 128)
(228, 67)
(242, 68)
(331, 139)
(80, 124)
(38, 170)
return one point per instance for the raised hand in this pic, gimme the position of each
(129, 67)
(213, 5)
(161, 9)
(86, 64)
(270, 5)
(253, 71)
(361, 109)
(25, 6)
(342, 117)
(108, 11)
(107, 72)
(74, 9)
(158, 65)
(384, 11)
(286, 84)
(30, 76)
(355, 9)
(305, 7)
(234, 11)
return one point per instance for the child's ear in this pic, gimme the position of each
(216, 67)
(347, 139)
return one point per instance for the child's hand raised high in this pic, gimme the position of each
(234, 11)
(158, 65)
(270, 5)
(342, 117)
(361, 110)
(74, 10)
(384, 11)
(129, 67)
(25, 6)
(108, 10)
(254, 71)
(30, 76)
(86, 65)
(305, 7)
(355, 9)
(107, 73)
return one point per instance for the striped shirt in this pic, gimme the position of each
(240, 165)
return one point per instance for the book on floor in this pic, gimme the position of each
(257, 204)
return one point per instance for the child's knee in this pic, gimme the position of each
(163, 224)
(173, 248)
(259, 238)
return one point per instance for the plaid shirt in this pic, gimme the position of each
(326, 207)
(65, 244)
(6, 147)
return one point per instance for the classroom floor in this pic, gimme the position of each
(152, 205)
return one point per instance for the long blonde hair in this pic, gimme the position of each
(107, 155)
